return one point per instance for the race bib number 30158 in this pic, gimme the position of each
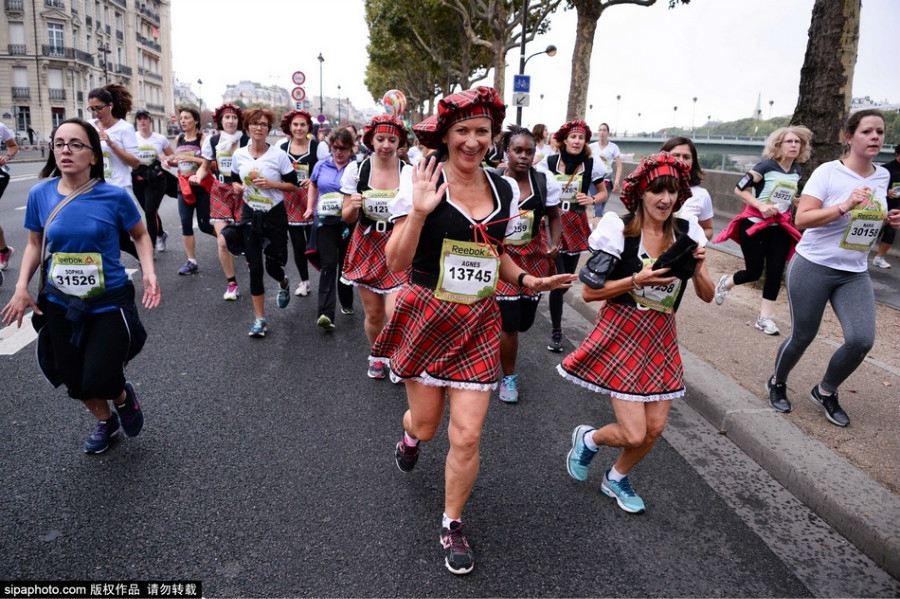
(469, 272)
(863, 230)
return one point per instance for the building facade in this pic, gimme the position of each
(53, 52)
(250, 92)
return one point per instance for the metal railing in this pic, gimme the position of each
(55, 4)
(156, 107)
(54, 51)
(121, 3)
(148, 42)
(15, 5)
(57, 94)
(21, 93)
(84, 57)
(145, 11)
(17, 49)
(122, 69)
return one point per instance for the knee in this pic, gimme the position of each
(635, 437)
(423, 431)
(464, 440)
(859, 345)
(654, 432)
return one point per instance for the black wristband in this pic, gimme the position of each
(521, 279)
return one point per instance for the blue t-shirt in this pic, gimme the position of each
(327, 177)
(89, 224)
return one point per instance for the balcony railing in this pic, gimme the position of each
(55, 4)
(57, 94)
(21, 93)
(121, 3)
(148, 42)
(156, 107)
(15, 5)
(122, 69)
(54, 51)
(84, 57)
(17, 49)
(149, 74)
(149, 13)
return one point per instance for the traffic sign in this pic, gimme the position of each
(321, 118)
(522, 83)
(298, 94)
(298, 78)
(298, 105)
(521, 99)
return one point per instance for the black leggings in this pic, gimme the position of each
(517, 316)
(299, 238)
(4, 181)
(768, 247)
(96, 370)
(149, 194)
(332, 246)
(565, 264)
(265, 234)
(187, 213)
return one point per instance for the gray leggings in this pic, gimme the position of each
(809, 287)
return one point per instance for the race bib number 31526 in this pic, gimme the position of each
(469, 272)
(78, 274)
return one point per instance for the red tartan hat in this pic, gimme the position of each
(220, 111)
(290, 116)
(576, 125)
(477, 102)
(384, 123)
(651, 168)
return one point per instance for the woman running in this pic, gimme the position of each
(632, 353)
(148, 178)
(842, 210)
(87, 322)
(11, 148)
(224, 202)
(576, 171)
(368, 188)
(262, 173)
(764, 228)
(699, 205)
(528, 246)
(110, 105)
(443, 338)
(304, 152)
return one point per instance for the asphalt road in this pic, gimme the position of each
(266, 469)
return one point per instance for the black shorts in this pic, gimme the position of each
(517, 315)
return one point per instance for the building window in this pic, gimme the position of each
(23, 118)
(58, 115)
(55, 37)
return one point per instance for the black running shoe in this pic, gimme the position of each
(406, 456)
(778, 396)
(458, 556)
(130, 414)
(555, 344)
(833, 411)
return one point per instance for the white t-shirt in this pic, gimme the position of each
(149, 149)
(832, 183)
(122, 135)
(598, 171)
(609, 234)
(350, 178)
(5, 135)
(699, 205)
(272, 165)
(605, 155)
(225, 149)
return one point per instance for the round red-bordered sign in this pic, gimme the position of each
(298, 78)
(298, 94)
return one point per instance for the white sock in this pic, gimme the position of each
(589, 440)
(823, 392)
(446, 520)
(614, 475)
(409, 440)
(193, 260)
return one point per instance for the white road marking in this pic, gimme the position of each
(13, 338)
(20, 208)
(22, 178)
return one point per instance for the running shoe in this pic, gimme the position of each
(325, 323)
(102, 436)
(833, 411)
(284, 295)
(623, 493)
(232, 292)
(189, 268)
(580, 456)
(377, 370)
(130, 414)
(5, 255)
(555, 344)
(766, 325)
(880, 262)
(302, 289)
(259, 328)
(161, 242)
(778, 396)
(347, 311)
(722, 289)
(458, 556)
(509, 389)
(406, 456)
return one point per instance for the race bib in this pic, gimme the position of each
(782, 196)
(223, 162)
(186, 169)
(302, 171)
(570, 186)
(107, 166)
(80, 275)
(658, 297)
(522, 229)
(376, 203)
(330, 204)
(862, 230)
(257, 200)
(469, 272)
(146, 154)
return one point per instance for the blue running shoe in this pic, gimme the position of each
(284, 295)
(130, 414)
(509, 389)
(101, 438)
(259, 328)
(579, 457)
(188, 268)
(623, 493)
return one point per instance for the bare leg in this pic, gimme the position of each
(468, 409)
(509, 351)
(374, 308)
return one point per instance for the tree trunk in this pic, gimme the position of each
(826, 78)
(588, 13)
(499, 51)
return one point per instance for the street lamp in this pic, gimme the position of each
(339, 104)
(104, 48)
(321, 99)
(674, 118)
(771, 103)
(693, 112)
(200, 83)
(708, 124)
(638, 126)
(618, 97)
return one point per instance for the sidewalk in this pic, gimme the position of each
(850, 476)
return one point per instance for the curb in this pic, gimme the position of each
(859, 508)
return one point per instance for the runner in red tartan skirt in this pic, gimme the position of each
(528, 247)
(574, 170)
(369, 187)
(632, 353)
(443, 338)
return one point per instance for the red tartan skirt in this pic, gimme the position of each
(440, 343)
(366, 264)
(575, 232)
(224, 203)
(531, 258)
(295, 206)
(631, 354)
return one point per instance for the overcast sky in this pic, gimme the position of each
(724, 52)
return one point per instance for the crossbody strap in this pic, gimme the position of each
(81, 189)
